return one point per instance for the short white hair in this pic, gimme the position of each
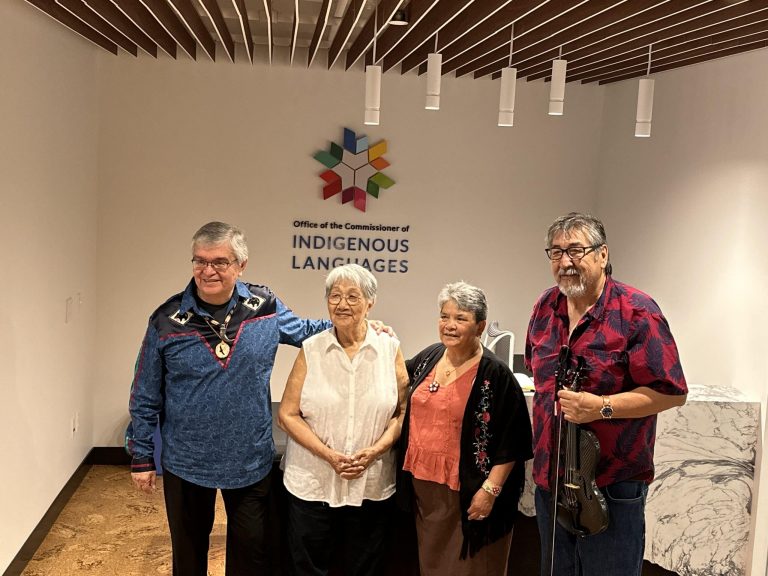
(361, 277)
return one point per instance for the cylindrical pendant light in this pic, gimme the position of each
(557, 88)
(507, 90)
(372, 95)
(644, 112)
(373, 82)
(434, 75)
(507, 97)
(644, 108)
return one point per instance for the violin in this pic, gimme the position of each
(578, 505)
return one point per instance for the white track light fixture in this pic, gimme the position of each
(507, 91)
(557, 88)
(644, 104)
(507, 97)
(434, 75)
(372, 95)
(373, 83)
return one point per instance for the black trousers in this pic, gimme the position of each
(191, 509)
(318, 534)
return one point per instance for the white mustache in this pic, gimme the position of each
(569, 272)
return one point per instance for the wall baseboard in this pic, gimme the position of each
(115, 456)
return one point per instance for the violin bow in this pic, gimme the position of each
(563, 359)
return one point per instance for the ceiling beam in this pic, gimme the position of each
(679, 24)
(211, 8)
(115, 18)
(191, 19)
(294, 29)
(167, 18)
(378, 20)
(431, 25)
(141, 17)
(467, 21)
(344, 31)
(64, 17)
(245, 27)
(669, 12)
(320, 26)
(78, 9)
(270, 38)
(590, 16)
(393, 35)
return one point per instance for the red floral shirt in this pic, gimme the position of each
(626, 343)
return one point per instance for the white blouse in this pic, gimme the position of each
(348, 404)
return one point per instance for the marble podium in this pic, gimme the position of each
(698, 514)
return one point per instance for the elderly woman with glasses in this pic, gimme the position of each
(342, 409)
(465, 440)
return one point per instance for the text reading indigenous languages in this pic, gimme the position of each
(325, 245)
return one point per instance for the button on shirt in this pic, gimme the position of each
(626, 343)
(348, 403)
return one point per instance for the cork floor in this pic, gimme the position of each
(109, 528)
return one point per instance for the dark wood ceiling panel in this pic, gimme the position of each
(245, 28)
(347, 25)
(167, 18)
(700, 18)
(428, 29)
(689, 62)
(602, 40)
(317, 36)
(79, 9)
(270, 37)
(465, 23)
(135, 11)
(393, 35)
(383, 14)
(213, 10)
(56, 12)
(194, 23)
(115, 18)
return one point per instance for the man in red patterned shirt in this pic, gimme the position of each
(633, 372)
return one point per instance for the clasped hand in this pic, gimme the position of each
(351, 467)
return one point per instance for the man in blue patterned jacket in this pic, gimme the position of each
(203, 372)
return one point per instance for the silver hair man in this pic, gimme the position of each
(215, 233)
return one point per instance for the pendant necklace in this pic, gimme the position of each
(223, 348)
(434, 386)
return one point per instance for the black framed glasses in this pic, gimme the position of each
(575, 253)
(219, 265)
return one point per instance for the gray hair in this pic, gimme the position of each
(215, 233)
(356, 274)
(467, 297)
(590, 225)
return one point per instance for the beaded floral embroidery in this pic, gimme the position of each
(482, 434)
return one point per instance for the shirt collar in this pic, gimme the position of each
(188, 301)
(333, 342)
(560, 302)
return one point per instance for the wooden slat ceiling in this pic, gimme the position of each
(603, 41)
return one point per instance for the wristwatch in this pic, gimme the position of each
(607, 410)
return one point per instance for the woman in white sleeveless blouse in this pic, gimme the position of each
(342, 408)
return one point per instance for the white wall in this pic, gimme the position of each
(187, 142)
(48, 206)
(686, 217)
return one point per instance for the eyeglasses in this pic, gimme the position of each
(219, 265)
(351, 300)
(575, 253)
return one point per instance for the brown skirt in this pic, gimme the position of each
(438, 528)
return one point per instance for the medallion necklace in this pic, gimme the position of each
(434, 386)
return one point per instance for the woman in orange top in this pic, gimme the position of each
(465, 440)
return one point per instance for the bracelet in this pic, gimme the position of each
(491, 488)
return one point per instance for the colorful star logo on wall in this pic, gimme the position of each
(354, 169)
